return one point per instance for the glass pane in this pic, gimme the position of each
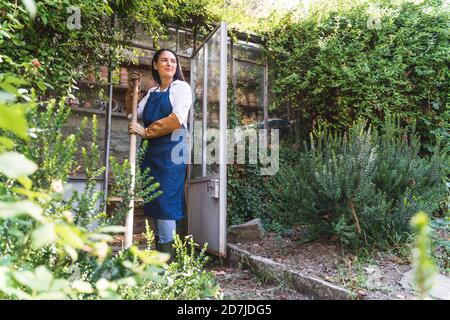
(196, 156)
(201, 35)
(248, 51)
(186, 42)
(249, 93)
(230, 92)
(170, 42)
(185, 65)
(213, 102)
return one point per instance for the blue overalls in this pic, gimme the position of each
(157, 157)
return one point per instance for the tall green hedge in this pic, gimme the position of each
(364, 60)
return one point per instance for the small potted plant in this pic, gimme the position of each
(123, 76)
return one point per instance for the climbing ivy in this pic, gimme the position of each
(68, 39)
(350, 59)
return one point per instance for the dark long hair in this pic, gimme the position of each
(178, 73)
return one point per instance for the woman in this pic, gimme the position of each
(164, 110)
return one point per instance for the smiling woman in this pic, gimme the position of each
(164, 110)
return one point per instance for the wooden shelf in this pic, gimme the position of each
(119, 87)
(98, 111)
(119, 199)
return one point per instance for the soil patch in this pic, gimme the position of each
(377, 278)
(138, 239)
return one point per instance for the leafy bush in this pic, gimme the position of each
(246, 196)
(38, 232)
(184, 279)
(249, 196)
(362, 187)
(441, 243)
(351, 59)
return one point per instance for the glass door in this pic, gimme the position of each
(207, 179)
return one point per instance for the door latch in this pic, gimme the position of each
(213, 188)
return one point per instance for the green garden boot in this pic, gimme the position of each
(167, 248)
(156, 242)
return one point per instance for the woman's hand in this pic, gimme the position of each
(135, 75)
(134, 127)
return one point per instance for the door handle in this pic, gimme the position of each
(213, 188)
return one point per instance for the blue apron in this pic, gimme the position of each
(157, 156)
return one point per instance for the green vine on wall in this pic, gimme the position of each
(332, 66)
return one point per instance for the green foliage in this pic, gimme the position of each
(362, 187)
(144, 188)
(184, 279)
(249, 15)
(246, 196)
(51, 55)
(53, 152)
(352, 275)
(441, 242)
(38, 234)
(423, 266)
(39, 231)
(55, 155)
(334, 65)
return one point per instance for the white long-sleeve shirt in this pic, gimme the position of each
(180, 97)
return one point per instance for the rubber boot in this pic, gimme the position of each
(167, 247)
(156, 242)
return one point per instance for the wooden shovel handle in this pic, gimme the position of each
(132, 158)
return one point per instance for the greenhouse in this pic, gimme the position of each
(224, 150)
(246, 101)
